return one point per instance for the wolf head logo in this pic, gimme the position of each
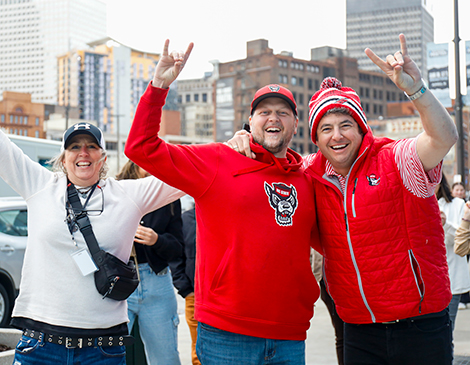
(283, 199)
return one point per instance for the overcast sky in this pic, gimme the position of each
(220, 29)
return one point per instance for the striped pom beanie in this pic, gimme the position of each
(333, 95)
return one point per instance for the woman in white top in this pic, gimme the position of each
(63, 316)
(452, 209)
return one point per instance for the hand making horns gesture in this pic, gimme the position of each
(170, 65)
(400, 68)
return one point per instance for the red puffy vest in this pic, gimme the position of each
(385, 257)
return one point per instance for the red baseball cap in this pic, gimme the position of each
(273, 91)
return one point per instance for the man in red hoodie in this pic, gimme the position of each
(254, 288)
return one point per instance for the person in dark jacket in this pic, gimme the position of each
(182, 270)
(159, 239)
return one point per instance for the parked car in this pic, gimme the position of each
(13, 237)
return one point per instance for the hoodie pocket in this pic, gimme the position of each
(221, 272)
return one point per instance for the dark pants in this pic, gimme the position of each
(419, 342)
(335, 321)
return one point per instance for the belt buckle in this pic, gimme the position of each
(69, 344)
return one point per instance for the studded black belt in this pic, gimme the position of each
(73, 342)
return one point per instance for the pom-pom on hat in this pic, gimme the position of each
(333, 94)
(273, 91)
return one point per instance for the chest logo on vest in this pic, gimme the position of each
(283, 199)
(373, 180)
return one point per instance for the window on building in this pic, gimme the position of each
(188, 98)
(301, 132)
(36, 134)
(2, 118)
(293, 80)
(204, 97)
(301, 99)
(310, 84)
(16, 119)
(37, 121)
(196, 97)
(301, 80)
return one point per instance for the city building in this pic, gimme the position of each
(105, 82)
(195, 100)
(20, 116)
(34, 32)
(238, 81)
(376, 24)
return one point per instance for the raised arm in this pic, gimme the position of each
(440, 133)
(170, 66)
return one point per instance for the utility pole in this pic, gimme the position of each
(458, 99)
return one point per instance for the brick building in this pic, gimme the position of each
(20, 116)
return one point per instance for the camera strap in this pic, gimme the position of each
(81, 218)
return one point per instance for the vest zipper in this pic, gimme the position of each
(353, 195)
(418, 277)
(351, 251)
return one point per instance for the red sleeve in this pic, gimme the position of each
(190, 168)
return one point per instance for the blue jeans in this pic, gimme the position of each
(453, 308)
(31, 351)
(419, 342)
(154, 304)
(217, 347)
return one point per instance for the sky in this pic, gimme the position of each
(220, 29)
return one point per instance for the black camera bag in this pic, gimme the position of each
(114, 278)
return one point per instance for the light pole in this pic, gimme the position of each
(458, 99)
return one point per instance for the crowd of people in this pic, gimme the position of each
(389, 234)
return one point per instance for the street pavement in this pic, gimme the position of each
(320, 344)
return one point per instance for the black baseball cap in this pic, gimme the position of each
(83, 128)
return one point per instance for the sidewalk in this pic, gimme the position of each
(320, 344)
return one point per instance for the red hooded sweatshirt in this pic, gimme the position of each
(255, 224)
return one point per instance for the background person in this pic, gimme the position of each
(458, 190)
(159, 239)
(462, 235)
(453, 209)
(336, 321)
(63, 315)
(183, 270)
(254, 287)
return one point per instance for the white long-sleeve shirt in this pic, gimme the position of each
(458, 266)
(52, 288)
